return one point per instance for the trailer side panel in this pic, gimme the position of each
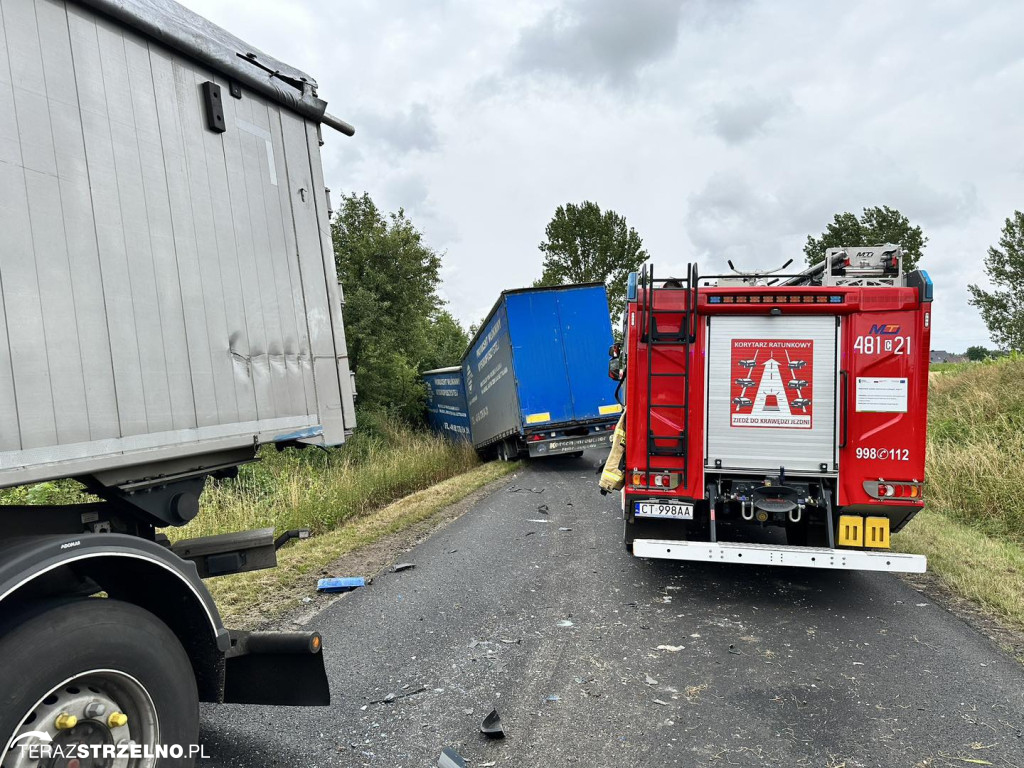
(164, 289)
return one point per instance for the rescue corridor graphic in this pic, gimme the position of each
(771, 383)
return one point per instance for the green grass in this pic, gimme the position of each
(973, 527)
(975, 466)
(320, 490)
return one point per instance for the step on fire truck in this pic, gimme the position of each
(767, 407)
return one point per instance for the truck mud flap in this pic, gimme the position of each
(277, 668)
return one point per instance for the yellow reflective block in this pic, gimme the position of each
(605, 410)
(851, 531)
(876, 532)
(537, 418)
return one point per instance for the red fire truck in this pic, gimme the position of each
(775, 418)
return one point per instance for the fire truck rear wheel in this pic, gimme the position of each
(96, 671)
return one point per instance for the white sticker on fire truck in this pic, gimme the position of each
(771, 383)
(881, 395)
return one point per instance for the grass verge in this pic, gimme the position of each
(320, 490)
(246, 599)
(979, 567)
(973, 527)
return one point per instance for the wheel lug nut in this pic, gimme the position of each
(95, 709)
(65, 722)
(117, 719)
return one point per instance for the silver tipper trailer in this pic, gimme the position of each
(168, 303)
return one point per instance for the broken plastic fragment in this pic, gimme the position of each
(403, 567)
(340, 584)
(491, 726)
(450, 759)
(565, 623)
(670, 648)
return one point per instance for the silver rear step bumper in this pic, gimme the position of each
(772, 554)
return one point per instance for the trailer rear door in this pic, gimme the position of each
(560, 340)
(771, 393)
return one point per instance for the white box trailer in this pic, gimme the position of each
(168, 303)
(167, 278)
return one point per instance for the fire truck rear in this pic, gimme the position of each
(777, 419)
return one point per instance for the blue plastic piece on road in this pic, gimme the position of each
(341, 584)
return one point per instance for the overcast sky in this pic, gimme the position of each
(719, 128)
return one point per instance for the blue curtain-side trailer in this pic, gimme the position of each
(536, 373)
(446, 403)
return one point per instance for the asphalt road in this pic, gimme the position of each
(594, 658)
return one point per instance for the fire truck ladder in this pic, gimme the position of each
(659, 444)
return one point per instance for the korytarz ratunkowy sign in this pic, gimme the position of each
(771, 383)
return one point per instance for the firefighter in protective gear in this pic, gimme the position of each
(615, 466)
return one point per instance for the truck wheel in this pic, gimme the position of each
(502, 451)
(96, 672)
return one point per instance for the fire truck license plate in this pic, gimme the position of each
(669, 509)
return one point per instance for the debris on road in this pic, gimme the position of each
(554, 698)
(515, 489)
(491, 726)
(403, 567)
(343, 584)
(450, 759)
(565, 623)
(650, 680)
(671, 648)
(392, 697)
(659, 701)
(543, 509)
(565, 529)
(538, 521)
(530, 533)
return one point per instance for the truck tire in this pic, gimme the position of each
(93, 659)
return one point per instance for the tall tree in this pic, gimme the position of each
(390, 278)
(875, 226)
(1002, 308)
(585, 244)
(447, 341)
(977, 353)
